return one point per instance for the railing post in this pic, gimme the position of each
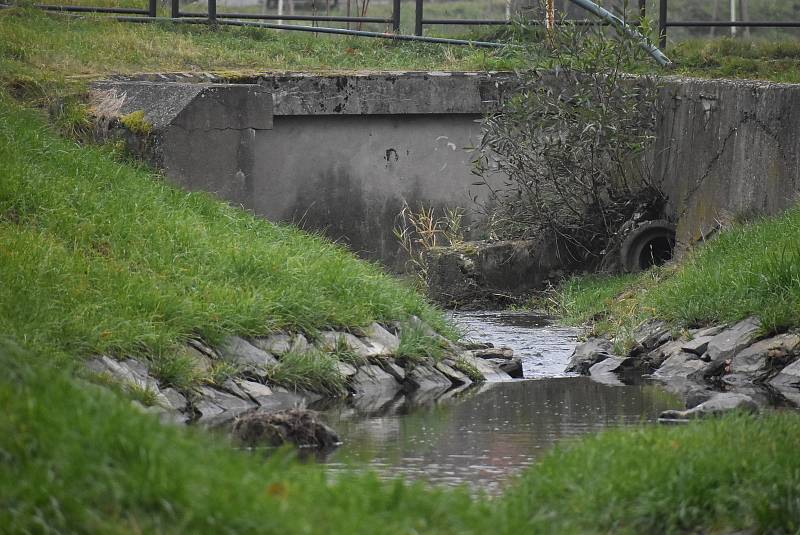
(662, 24)
(152, 8)
(212, 12)
(418, 18)
(175, 12)
(396, 16)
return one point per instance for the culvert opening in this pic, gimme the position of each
(651, 244)
(656, 252)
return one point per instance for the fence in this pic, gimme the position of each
(393, 21)
(664, 23)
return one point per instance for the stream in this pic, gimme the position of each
(486, 434)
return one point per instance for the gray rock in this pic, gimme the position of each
(216, 407)
(656, 358)
(605, 371)
(379, 336)
(177, 401)
(733, 339)
(788, 376)
(651, 334)
(130, 374)
(491, 372)
(370, 377)
(276, 344)
(202, 348)
(609, 365)
(588, 354)
(477, 345)
(393, 369)
(232, 387)
(680, 365)
(332, 340)
(512, 366)
(719, 403)
(242, 353)
(708, 331)
(760, 358)
(426, 377)
(697, 345)
(255, 391)
(345, 369)
(281, 343)
(455, 376)
(494, 353)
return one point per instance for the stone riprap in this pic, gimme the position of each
(374, 377)
(736, 359)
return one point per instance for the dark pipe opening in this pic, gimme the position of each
(656, 252)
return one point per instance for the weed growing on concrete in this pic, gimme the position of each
(136, 123)
(418, 232)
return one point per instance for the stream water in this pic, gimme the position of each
(485, 435)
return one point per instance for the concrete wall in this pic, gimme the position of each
(727, 150)
(341, 154)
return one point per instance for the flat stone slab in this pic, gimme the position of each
(240, 352)
(370, 377)
(733, 339)
(679, 365)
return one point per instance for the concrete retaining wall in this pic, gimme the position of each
(341, 154)
(727, 150)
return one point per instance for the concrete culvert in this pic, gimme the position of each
(651, 244)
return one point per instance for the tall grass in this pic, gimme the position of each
(102, 257)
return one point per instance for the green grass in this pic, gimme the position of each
(416, 345)
(97, 257)
(749, 269)
(777, 60)
(311, 370)
(77, 458)
(39, 49)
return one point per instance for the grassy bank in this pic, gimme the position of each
(75, 458)
(749, 269)
(98, 256)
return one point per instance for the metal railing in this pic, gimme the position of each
(212, 16)
(664, 23)
(420, 21)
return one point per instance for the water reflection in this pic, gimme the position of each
(485, 435)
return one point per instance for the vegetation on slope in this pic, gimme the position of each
(98, 256)
(749, 269)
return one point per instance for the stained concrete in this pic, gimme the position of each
(341, 154)
(727, 150)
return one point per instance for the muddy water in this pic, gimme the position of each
(482, 436)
